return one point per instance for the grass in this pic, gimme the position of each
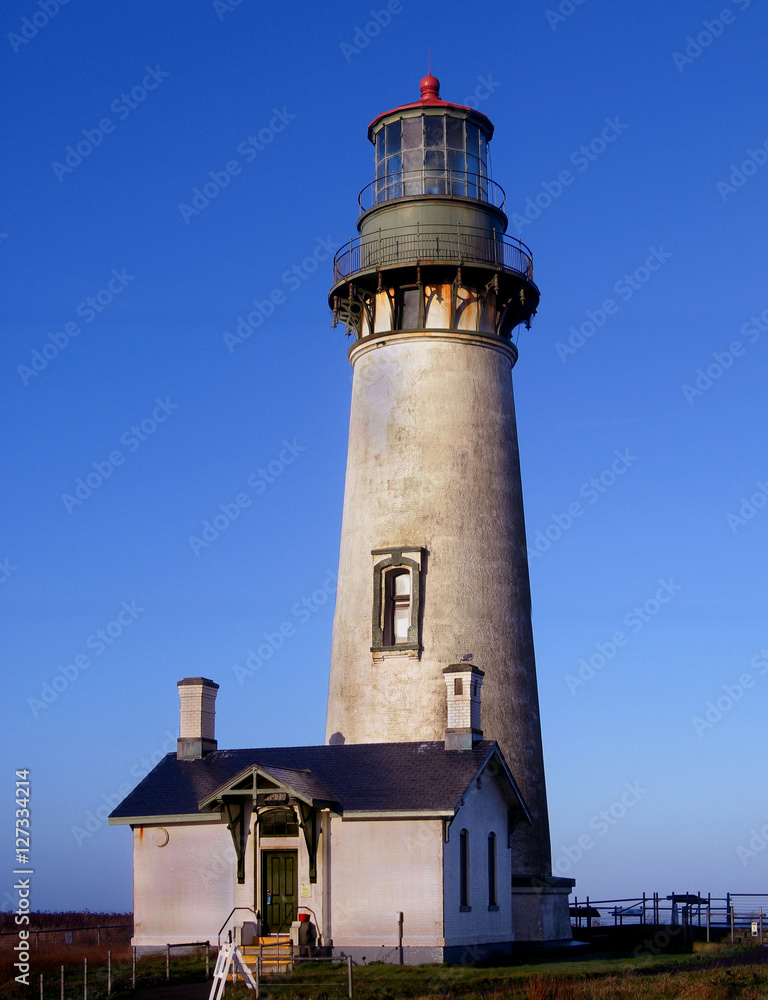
(710, 972)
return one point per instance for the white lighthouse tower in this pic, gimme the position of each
(433, 567)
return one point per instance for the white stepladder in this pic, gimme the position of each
(230, 957)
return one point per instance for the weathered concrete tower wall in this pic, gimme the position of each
(433, 561)
(433, 464)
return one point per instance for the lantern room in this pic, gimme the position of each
(432, 253)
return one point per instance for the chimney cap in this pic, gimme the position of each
(463, 668)
(198, 680)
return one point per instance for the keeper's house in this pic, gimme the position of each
(385, 846)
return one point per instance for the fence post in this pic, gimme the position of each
(98, 936)
(761, 925)
(167, 961)
(349, 975)
(109, 972)
(41, 986)
(708, 908)
(85, 978)
(133, 967)
(62, 982)
(732, 933)
(207, 959)
(257, 977)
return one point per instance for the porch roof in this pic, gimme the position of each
(359, 778)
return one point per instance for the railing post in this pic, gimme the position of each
(732, 928)
(133, 968)
(167, 961)
(41, 986)
(207, 959)
(109, 971)
(62, 982)
(85, 978)
(761, 925)
(349, 975)
(708, 920)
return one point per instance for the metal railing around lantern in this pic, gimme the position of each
(431, 181)
(422, 244)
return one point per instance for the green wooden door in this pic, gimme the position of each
(279, 889)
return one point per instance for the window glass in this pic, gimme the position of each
(402, 621)
(394, 164)
(455, 159)
(279, 823)
(412, 133)
(464, 867)
(393, 138)
(454, 133)
(473, 139)
(492, 869)
(380, 147)
(434, 159)
(473, 165)
(410, 317)
(434, 133)
(403, 585)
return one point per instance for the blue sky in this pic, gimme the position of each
(632, 143)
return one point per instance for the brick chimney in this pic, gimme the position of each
(463, 683)
(197, 728)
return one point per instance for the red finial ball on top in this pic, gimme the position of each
(430, 89)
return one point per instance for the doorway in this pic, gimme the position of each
(279, 890)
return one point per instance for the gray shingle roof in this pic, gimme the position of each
(359, 777)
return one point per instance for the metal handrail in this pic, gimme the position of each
(232, 911)
(432, 181)
(420, 243)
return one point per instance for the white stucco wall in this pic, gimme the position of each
(484, 812)
(382, 867)
(182, 891)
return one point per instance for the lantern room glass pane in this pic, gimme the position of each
(380, 147)
(393, 138)
(473, 139)
(454, 133)
(434, 132)
(412, 133)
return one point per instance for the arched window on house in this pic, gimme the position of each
(492, 895)
(464, 870)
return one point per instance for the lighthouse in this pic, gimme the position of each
(433, 568)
